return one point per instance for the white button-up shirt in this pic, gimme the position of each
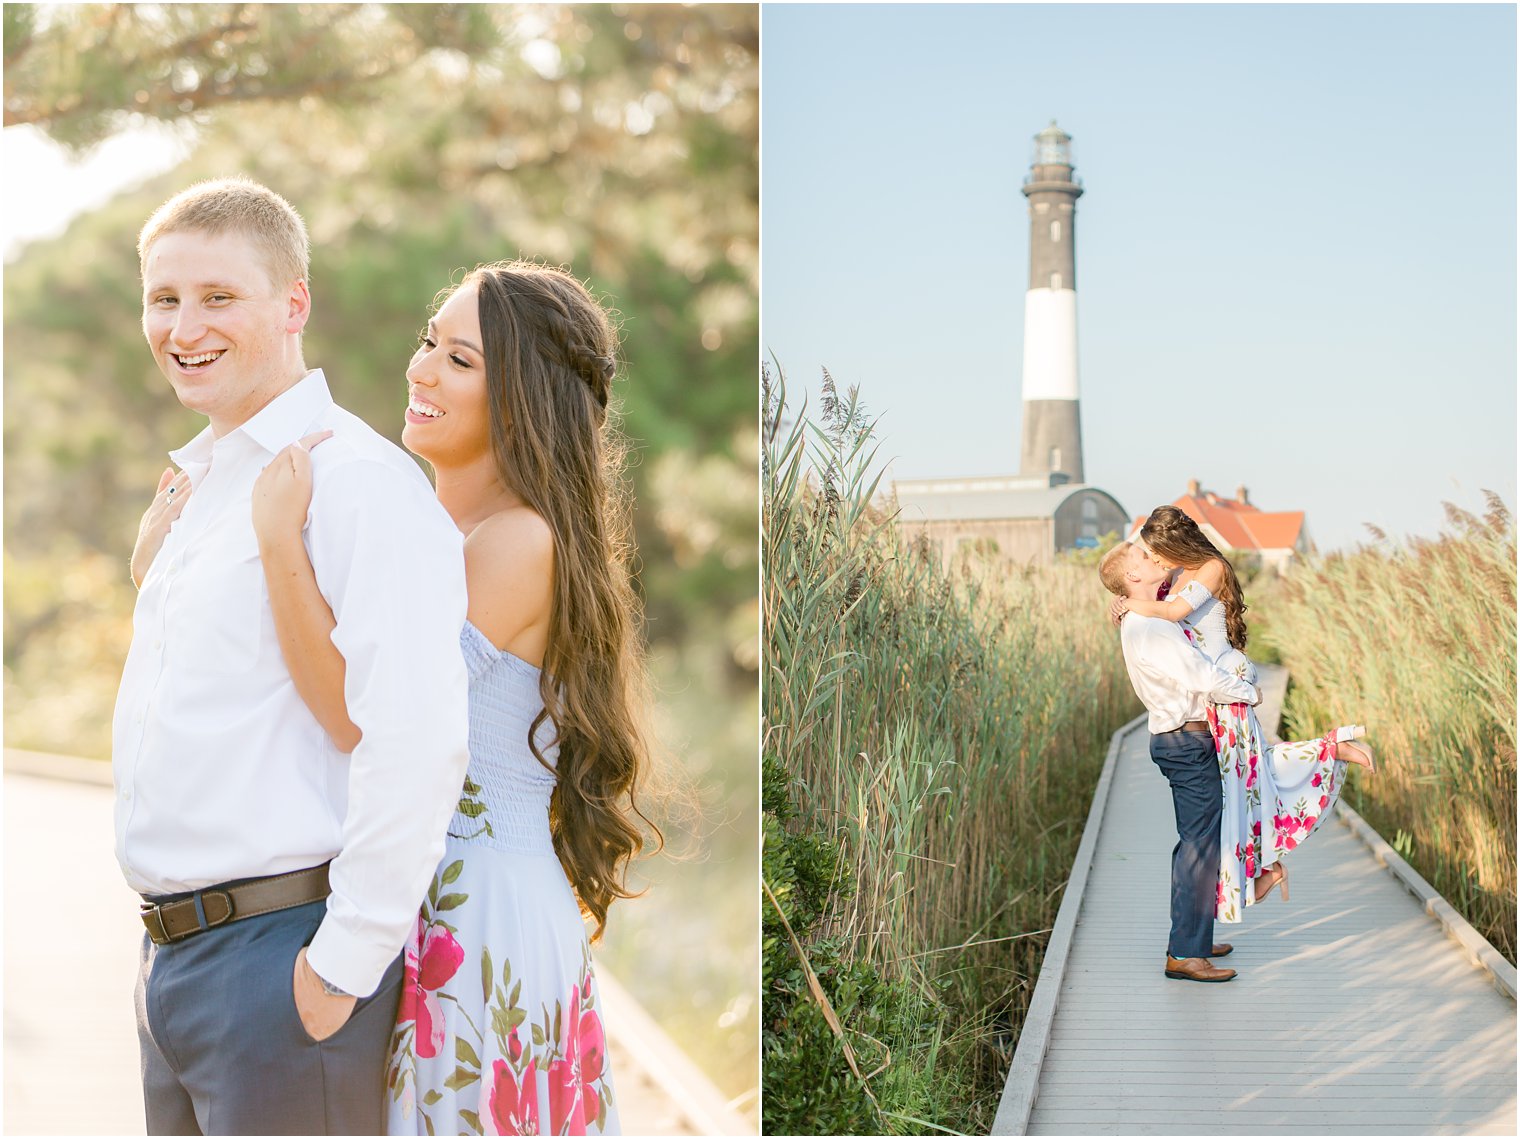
(221, 770)
(1173, 679)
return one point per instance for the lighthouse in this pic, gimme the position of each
(1047, 508)
(1052, 442)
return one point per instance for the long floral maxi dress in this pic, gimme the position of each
(1274, 797)
(1297, 781)
(499, 1030)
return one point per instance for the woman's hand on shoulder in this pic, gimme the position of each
(509, 573)
(282, 494)
(168, 501)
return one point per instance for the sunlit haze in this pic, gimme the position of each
(46, 187)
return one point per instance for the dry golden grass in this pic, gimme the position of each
(1418, 641)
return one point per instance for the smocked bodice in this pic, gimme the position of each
(1206, 628)
(505, 802)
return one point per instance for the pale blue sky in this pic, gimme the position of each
(1295, 257)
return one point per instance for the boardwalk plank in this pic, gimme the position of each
(1280, 1129)
(1357, 1012)
(1152, 1061)
(1389, 1085)
(1365, 1114)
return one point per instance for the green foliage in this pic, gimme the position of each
(1418, 642)
(67, 626)
(809, 1087)
(73, 69)
(1248, 566)
(939, 735)
(801, 871)
(1092, 556)
(1262, 643)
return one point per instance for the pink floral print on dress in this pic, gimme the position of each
(431, 960)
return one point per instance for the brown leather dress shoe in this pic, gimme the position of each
(1223, 949)
(1196, 969)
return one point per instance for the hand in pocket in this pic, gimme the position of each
(321, 1015)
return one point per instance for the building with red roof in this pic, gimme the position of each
(1236, 525)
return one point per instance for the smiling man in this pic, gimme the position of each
(1174, 681)
(280, 876)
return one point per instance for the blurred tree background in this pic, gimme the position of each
(418, 140)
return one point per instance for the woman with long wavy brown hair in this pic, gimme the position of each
(1274, 797)
(499, 1027)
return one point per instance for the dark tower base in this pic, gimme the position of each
(1052, 439)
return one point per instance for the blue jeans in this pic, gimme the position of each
(1191, 765)
(223, 1048)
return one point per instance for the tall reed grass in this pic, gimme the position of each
(942, 732)
(1417, 640)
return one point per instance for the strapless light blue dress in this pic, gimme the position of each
(499, 1030)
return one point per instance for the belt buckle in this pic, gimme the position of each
(153, 918)
(152, 914)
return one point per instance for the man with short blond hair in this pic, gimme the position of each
(1175, 682)
(280, 877)
(1113, 567)
(236, 205)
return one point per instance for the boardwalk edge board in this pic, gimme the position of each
(1479, 950)
(69, 768)
(1034, 1038)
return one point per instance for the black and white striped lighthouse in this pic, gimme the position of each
(1052, 425)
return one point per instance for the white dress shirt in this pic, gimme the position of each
(1173, 679)
(221, 771)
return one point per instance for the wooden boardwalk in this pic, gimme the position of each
(71, 1059)
(1354, 1011)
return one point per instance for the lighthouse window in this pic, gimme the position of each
(1055, 231)
(1055, 458)
(1055, 281)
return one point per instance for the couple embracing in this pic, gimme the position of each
(376, 743)
(1240, 805)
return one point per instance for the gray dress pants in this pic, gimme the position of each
(223, 1049)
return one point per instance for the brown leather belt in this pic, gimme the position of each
(217, 905)
(1190, 726)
